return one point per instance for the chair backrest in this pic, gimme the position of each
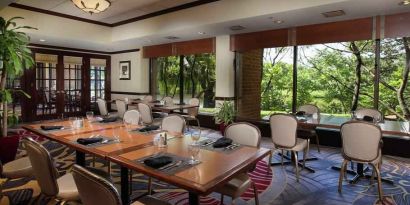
(147, 98)
(193, 111)
(43, 167)
(132, 116)
(102, 106)
(168, 101)
(283, 130)
(360, 141)
(244, 133)
(145, 112)
(94, 189)
(173, 123)
(121, 108)
(309, 109)
(361, 112)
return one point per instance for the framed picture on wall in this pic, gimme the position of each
(125, 70)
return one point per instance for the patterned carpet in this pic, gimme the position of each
(276, 187)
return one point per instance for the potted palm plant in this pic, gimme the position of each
(15, 56)
(224, 115)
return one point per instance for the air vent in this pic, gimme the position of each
(172, 37)
(236, 28)
(330, 14)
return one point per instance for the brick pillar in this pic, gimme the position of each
(249, 101)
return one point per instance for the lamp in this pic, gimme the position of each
(92, 6)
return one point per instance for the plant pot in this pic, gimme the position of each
(8, 148)
(222, 128)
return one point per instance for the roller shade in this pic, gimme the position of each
(262, 39)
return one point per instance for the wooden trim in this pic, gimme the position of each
(129, 93)
(138, 18)
(205, 45)
(397, 25)
(225, 98)
(162, 50)
(53, 13)
(262, 39)
(82, 50)
(165, 11)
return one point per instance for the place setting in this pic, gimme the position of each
(97, 140)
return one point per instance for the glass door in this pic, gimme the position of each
(73, 67)
(97, 81)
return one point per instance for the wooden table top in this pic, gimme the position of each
(215, 168)
(388, 127)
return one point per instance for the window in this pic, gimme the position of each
(276, 88)
(336, 76)
(97, 80)
(72, 83)
(46, 83)
(197, 75)
(393, 69)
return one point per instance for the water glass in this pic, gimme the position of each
(193, 151)
(116, 134)
(353, 115)
(75, 122)
(195, 137)
(90, 116)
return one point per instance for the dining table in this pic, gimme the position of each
(214, 170)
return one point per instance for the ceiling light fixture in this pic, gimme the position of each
(172, 37)
(92, 6)
(404, 3)
(334, 13)
(42, 40)
(236, 28)
(201, 33)
(278, 21)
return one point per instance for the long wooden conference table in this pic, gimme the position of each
(215, 169)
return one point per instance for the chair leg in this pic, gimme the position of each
(282, 157)
(94, 161)
(222, 199)
(130, 188)
(197, 121)
(296, 165)
(379, 182)
(109, 168)
(342, 173)
(149, 185)
(255, 192)
(305, 153)
(317, 143)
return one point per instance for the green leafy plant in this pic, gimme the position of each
(225, 113)
(15, 56)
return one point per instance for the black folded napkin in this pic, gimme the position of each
(156, 101)
(158, 162)
(109, 119)
(87, 141)
(222, 142)
(367, 118)
(158, 105)
(51, 127)
(149, 128)
(300, 113)
(157, 115)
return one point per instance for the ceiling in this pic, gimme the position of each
(119, 10)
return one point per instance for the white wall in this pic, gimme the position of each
(225, 75)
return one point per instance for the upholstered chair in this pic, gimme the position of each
(375, 114)
(121, 108)
(15, 169)
(245, 134)
(102, 106)
(173, 123)
(147, 98)
(284, 137)
(94, 189)
(59, 188)
(146, 115)
(310, 133)
(168, 101)
(361, 143)
(193, 112)
(132, 116)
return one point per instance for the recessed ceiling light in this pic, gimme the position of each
(201, 33)
(404, 3)
(42, 40)
(334, 13)
(171, 37)
(278, 21)
(236, 28)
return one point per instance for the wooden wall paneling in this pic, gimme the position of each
(262, 39)
(397, 25)
(206, 45)
(162, 50)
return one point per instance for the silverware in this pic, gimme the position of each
(173, 165)
(150, 157)
(232, 146)
(209, 143)
(168, 165)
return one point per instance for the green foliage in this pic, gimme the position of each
(225, 113)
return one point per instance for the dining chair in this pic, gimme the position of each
(361, 143)
(310, 133)
(248, 135)
(146, 115)
(173, 123)
(147, 98)
(168, 101)
(94, 189)
(15, 169)
(193, 112)
(102, 106)
(375, 114)
(121, 108)
(132, 116)
(284, 137)
(52, 186)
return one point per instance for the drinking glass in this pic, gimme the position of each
(130, 124)
(353, 115)
(116, 134)
(193, 151)
(376, 119)
(90, 116)
(195, 137)
(73, 121)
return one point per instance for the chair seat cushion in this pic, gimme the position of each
(18, 168)
(236, 186)
(300, 145)
(67, 188)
